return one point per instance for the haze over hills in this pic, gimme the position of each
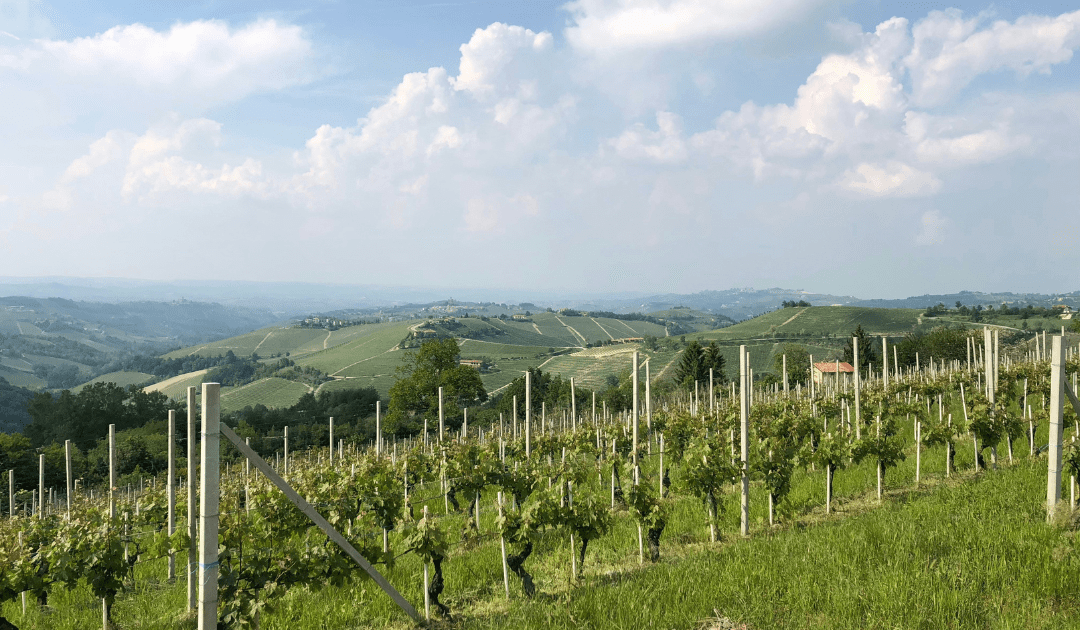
(286, 300)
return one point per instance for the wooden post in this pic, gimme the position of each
(744, 436)
(528, 414)
(331, 441)
(885, 362)
(858, 416)
(502, 547)
(170, 489)
(378, 428)
(634, 379)
(285, 454)
(427, 595)
(648, 397)
(208, 506)
(785, 376)
(192, 496)
(442, 425)
(67, 466)
(661, 465)
(918, 451)
(41, 485)
(112, 471)
(712, 393)
(11, 493)
(1057, 409)
(573, 404)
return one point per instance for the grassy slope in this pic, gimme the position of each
(21, 378)
(819, 321)
(272, 392)
(122, 379)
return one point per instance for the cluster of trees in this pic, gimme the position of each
(56, 347)
(695, 363)
(163, 368)
(85, 417)
(794, 304)
(943, 342)
(415, 394)
(13, 401)
(235, 371)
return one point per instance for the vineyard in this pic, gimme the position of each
(618, 517)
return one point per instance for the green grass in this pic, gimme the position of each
(621, 329)
(123, 379)
(357, 346)
(19, 378)
(272, 392)
(294, 340)
(822, 321)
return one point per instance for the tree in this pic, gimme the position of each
(695, 363)
(867, 356)
(798, 363)
(415, 395)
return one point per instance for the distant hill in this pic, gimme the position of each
(976, 298)
(59, 343)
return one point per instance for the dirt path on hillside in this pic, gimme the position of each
(327, 340)
(262, 342)
(665, 368)
(497, 390)
(537, 328)
(572, 331)
(792, 318)
(602, 328)
(362, 360)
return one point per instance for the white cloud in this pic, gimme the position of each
(892, 179)
(949, 51)
(665, 145)
(956, 141)
(491, 58)
(192, 65)
(932, 228)
(605, 27)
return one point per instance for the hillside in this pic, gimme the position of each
(822, 322)
(590, 349)
(57, 343)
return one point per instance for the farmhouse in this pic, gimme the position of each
(828, 370)
(473, 363)
(1064, 311)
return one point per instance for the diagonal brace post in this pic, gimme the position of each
(316, 518)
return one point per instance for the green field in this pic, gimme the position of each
(822, 321)
(123, 379)
(271, 392)
(362, 345)
(21, 378)
(368, 355)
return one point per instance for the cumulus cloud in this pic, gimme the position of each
(606, 27)
(511, 140)
(195, 64)
(949, 51)
(665, 145)
(892, 179)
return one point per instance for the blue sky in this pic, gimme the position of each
(879, 149)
